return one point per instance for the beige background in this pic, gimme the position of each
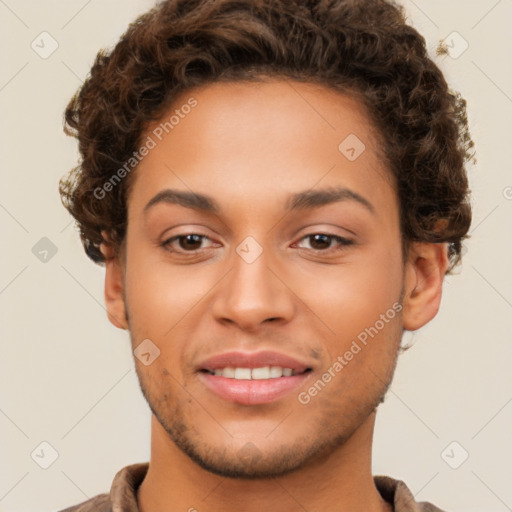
(67, 376)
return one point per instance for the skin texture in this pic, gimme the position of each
(249, 146)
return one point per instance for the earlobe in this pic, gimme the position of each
(424, 275)
(114, 289)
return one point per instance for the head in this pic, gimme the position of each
(269, 176)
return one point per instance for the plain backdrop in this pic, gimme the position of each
(67, 375)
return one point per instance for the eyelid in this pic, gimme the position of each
(173, 238)
(342, 241)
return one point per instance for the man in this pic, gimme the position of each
(277, 190)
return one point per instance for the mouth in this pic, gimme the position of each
(253, 378)
(261, 373)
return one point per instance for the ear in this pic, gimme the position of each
(114, 287)
(424, 274)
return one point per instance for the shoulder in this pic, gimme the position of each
(399, 495)
(100, 503)
(122, 495)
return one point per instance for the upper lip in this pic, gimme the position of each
(237, 359)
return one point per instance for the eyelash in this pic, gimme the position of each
(344, 242)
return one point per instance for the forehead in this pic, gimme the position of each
(240, 141)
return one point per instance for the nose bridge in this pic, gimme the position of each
(251, 292)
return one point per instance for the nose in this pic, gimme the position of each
(254, 293)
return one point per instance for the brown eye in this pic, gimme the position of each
(322, 242)
(186, 243)
(190, 242)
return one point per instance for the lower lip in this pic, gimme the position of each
(252, 392)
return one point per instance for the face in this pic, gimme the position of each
(275, 301)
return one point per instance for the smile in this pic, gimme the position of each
(253, 378)
(261, 373)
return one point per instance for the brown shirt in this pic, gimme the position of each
(123, 494)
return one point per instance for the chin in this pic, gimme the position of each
(262, 458)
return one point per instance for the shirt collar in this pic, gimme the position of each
(123, 493)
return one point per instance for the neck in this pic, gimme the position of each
(339, 481)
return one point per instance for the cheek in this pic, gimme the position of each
(349, 298)
(159, 294)
(161, 301)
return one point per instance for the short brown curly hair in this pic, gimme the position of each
(363, 47)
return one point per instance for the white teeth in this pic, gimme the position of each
(228, 372)
(261, 373)
(264, 372)
(276, 371)
(242, 373)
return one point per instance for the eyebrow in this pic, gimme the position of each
(307, 199)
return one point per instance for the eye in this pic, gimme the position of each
(189, 242)
(321, 242)
(192, 242)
